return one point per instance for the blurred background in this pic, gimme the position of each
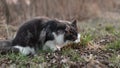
(15, 12)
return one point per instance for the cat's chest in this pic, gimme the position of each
(58, 41)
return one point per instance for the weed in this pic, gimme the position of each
(74, 56)
(17, 57)
(85, 39)
(39, 59)
(115, 60)
(114, 45)
(110, 29)
(23, 61)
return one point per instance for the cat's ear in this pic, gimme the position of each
(74, 23)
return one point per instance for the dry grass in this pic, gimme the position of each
(20, 10)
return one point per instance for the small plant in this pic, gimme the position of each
(109, 28)
(38, 59)
(114, 45)
(115, 60)
(22, 61)
(74, 56)
(85, 39)
(17, 57)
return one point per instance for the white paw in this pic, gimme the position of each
(51, 47)
(58, 47)
(25, 50)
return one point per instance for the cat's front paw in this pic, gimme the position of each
(25, 50)
(58, 47)
(50, 47)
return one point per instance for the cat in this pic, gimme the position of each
(43, 33)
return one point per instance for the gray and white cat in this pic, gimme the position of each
(41, 33)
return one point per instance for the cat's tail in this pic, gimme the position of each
(6, 47)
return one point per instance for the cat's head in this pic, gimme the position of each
(71, 31)
(66, 31)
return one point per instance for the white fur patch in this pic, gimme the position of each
(25, 50)
(59, 39)
(56, 43)
(78, 38)
(51, 45)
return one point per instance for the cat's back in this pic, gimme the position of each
(30, 30)
(35, 22)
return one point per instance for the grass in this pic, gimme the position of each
(109, 28)
(114, 45)
(115, 60)
(92, 31)
(85, 39)
(22, 61)
(74, 55)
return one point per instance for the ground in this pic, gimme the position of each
(99, 48)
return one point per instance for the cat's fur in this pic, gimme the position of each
(40, 33)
